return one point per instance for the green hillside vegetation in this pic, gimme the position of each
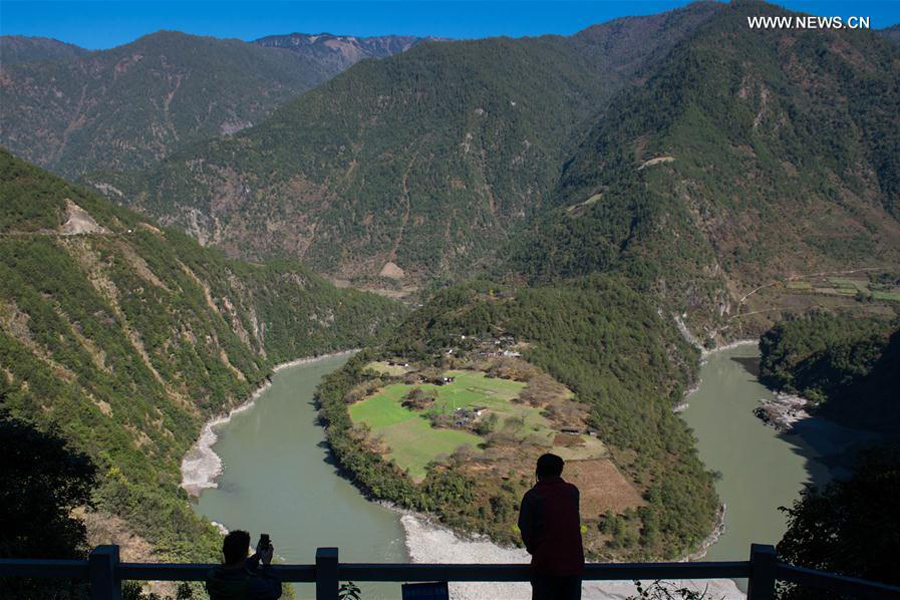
(626, 367)
(849, 366)
(17, 49)
(128, 107)
(126, 338)
(892, 34)
(429, 159)
(747, 156)
(847, 527)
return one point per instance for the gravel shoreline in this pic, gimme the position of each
(201, 466)
(430, 543)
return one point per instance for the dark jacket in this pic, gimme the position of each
(551, 528)
(249, 583)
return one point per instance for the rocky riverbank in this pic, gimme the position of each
(430, 543)
(783, 412)
(201, 466)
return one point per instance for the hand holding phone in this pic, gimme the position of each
(264, 549)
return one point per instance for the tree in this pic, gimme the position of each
(41, 481)
(850, 527)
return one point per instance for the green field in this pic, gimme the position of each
(414, 443)
(843, 282)
(844, 286)
(881, 295)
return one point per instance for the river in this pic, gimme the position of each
(761, 469)
(277, 477)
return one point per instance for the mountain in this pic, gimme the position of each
(17, 49)
(414, 166)
(126, 338)
(891, 33)
(130, 106)
(748, 157)
(340, 52)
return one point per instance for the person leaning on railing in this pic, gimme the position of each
(240, 577)
(550, 523)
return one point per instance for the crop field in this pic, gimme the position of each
(845, 286)
(882, 295)
(413, 442)
(602, 487)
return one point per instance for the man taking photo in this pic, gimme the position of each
(240, 577)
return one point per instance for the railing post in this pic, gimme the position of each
(762, 572)
(103, 564)
(326, 574)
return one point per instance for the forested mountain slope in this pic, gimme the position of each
(128, 107)
(126, 338)
(17, 49)
(429, 159)
(849, 368)
(892, 33)
(749, 156)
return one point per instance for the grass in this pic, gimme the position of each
(847, 291)
(882, 295)
(843, 282)
(413, 442)
(383, 367)
(799, 285)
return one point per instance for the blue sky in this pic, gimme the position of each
(97, 25)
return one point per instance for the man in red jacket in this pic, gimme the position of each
(551, 529)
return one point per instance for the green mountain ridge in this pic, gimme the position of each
(766, 154)
(746, 157)
(430, 159)
(127, 338)
(18, 49)
(130, 106)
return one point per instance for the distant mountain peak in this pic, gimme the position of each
(166, 89)
(18, 49)
(344, 50)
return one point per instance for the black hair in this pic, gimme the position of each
(549, 465)
(235, 546)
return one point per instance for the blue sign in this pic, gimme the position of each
(426, 591)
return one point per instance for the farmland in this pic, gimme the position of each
(411, 440)
(883, 288)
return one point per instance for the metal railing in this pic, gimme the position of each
(106, 573)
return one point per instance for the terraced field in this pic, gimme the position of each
(845, 286)
(411, 440)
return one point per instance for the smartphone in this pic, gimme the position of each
(264, 541)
